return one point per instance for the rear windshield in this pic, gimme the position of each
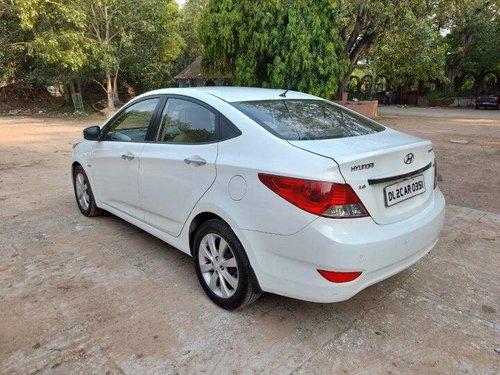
(297, 120)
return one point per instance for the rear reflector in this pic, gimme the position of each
(327, 199)
(339, 277)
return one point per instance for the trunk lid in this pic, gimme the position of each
(376, 162)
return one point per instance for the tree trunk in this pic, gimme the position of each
(480, 84)
(343, 85)
(71, 85)
(109, 91)
(403, 93)
(64, 88)
(116, 98)
(421, 84)
(354, 51)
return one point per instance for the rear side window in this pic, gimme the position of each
(293, 119)
(186, 122)
(227, 129)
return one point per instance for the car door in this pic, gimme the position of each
(179, 167)
(116, 158)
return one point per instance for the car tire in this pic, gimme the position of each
(83, 193)
(222, 266)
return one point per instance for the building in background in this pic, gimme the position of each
(192, 76)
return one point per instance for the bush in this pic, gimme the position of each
(436, 95)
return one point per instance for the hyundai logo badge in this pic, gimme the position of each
(409, 158)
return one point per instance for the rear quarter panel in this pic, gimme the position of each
(257, 151)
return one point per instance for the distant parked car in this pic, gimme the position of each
(488, 100)
(269, 190)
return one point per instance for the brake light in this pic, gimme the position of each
(339, 277)
(317, 197)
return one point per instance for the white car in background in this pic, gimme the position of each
(269, 191)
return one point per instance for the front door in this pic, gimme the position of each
(179, 167)
(115, 159)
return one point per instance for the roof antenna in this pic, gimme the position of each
(283, 95)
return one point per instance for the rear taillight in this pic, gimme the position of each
(339, 277)
(435, 174)
(317, 197)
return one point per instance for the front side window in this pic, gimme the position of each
(132, 124)
(295, 120)
(186, 122)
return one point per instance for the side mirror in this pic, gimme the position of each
(92, 133)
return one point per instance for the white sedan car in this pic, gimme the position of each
(268, 190)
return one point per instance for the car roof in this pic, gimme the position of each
(236, 94)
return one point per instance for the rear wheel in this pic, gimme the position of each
(222, 266)
(83, 193)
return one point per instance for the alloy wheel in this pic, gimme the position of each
(82, 191)
(218, 265)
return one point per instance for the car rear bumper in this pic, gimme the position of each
(287, 265)
(487, 104)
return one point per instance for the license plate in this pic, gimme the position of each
(404, 190)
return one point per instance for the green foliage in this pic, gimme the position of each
(189, 24)
(484, 52)
(364, 22)
(305, 45)
(147, 62)
(275, 43)
(413, 50)
(436, 95)
(13, 61)
(99, 39)
(473, 41)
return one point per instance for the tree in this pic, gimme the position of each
(190, 21)
(13, 60)
(102, 35)
(473, 40)
(364, 21)
(413, 51)
(275, 43)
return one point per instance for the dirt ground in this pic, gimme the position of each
(467, 147)
(98, 295)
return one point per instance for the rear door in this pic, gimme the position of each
(179, 167)
(116, 158)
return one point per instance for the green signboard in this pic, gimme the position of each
(78, 102)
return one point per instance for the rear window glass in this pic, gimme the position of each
(296, 120)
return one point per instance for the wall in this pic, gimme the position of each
(365, 107)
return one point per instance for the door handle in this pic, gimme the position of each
(128, 156)
(196, 160)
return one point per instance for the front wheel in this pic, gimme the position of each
(222, 266)
(83, 193)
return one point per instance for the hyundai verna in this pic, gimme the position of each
(268, 191)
